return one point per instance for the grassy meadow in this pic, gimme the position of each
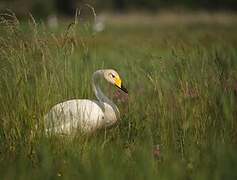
(182, 83)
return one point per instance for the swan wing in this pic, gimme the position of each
(67, 116)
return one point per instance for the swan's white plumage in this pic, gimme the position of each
(86, 115)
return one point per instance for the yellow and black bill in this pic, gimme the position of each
(118, 83)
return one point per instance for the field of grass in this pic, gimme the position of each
(182, 83)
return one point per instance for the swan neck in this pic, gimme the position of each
(98, 93)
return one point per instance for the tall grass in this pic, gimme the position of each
(182, 83)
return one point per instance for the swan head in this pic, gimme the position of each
(113, 77)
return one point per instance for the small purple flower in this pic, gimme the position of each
(156, 151)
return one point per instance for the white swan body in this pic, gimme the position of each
(86, 115)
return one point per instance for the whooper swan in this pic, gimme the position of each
(84, 114)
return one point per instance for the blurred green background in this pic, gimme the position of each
(43, 8)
